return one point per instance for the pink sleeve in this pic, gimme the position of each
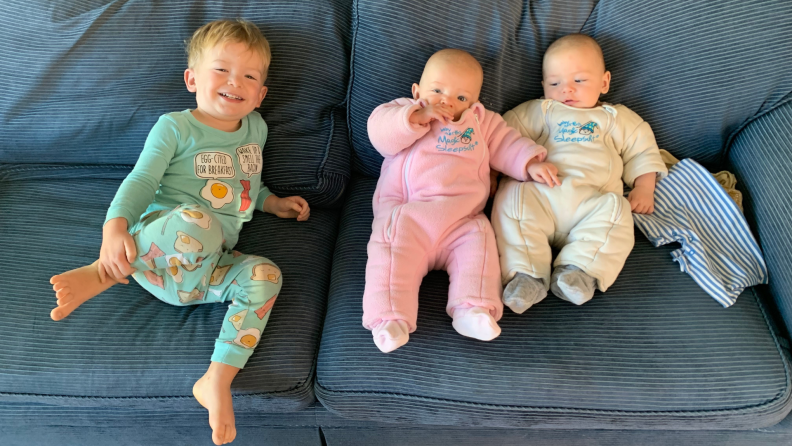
(390, 129)
(510, 152)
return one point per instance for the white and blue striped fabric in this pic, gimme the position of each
(718, 249)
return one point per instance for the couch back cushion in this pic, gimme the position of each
(87, 80)
(695, 70)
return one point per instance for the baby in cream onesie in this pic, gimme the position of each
(575, 202)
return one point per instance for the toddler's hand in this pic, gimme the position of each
(118, 251)
(641, 200)
(429, 113)
(288, 207)
(545, 172)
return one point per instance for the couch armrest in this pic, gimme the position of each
(761, 158)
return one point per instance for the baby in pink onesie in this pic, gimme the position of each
(433, 186)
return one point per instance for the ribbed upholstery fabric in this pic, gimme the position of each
(86, 80)
(126, 348)
(655, 350)
(695, 70)
(394, 38)
(761, 158)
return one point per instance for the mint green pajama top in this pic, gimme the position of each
(185, 161)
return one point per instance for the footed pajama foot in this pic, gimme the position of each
(475, 322)
(390, 335)
(572, 284)
(522, 292)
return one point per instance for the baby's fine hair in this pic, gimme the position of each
(574, 40)
(222, 31)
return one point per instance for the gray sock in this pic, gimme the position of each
(522, 292)
(571, 283)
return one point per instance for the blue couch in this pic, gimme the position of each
(655, 360)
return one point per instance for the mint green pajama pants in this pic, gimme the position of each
(181, 261)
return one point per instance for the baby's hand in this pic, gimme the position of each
(288, 207)
(429, 113)
(545, 172)
(117, 252)
(641, 200)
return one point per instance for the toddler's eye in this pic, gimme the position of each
(461, 98)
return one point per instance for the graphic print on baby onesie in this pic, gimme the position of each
(218, 275)
(266, 272)
(186, 244)
(573, 131)
(213, 166)
(450, 139)
(154, 279)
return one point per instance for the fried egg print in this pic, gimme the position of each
(248, 338)
(217, 193)
(266, 272)
(185, 243)
(196, 217)
(173, 269)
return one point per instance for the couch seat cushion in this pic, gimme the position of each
(655, 350)
(125, 347)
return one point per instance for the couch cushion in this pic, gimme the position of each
(125, 347)
(87, 80)
(761, 157)
(655, 350)
(695, 70)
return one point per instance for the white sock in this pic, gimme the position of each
(390, 335)
(475, 322)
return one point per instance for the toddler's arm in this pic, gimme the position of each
(390, 129)
(132, 198)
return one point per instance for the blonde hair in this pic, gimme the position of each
(222, 31)
(574, 41)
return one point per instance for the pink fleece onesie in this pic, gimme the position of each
(432, 188)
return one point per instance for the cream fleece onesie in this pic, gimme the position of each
(587, 216)
(428, 206)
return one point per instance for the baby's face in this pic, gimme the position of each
(228, 83)
(575, 76)
(445, 82)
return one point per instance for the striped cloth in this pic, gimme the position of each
(718, 249)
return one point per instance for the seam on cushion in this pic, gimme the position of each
(353, 45)
(35, 167)
(323, 391)
(730, 140)
(307, 384)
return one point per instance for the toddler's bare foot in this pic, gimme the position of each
(213, 391)
(74, 287)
